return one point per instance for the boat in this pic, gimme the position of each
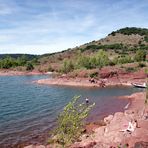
(139, 85)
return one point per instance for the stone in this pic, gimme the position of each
(108, 119)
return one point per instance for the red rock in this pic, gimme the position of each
(108, 119)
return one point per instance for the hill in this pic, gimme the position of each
(119, 47)
(15, 56)
(125, 41)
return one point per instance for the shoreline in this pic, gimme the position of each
(109, 134)
(81, 82)
(19, 73)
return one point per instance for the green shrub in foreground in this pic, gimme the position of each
(70, 121)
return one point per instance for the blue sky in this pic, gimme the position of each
(46, 26)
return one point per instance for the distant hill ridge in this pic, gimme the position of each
(125, 38)
(131, 30)
(129, 37)
(15, 56)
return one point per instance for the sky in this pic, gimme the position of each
(47, 26)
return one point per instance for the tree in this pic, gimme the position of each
(70, 121)
(8, 62)
(22, 60)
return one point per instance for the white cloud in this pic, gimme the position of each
(37, 27)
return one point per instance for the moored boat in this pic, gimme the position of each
(139, 85)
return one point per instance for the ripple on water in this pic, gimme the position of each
(28, 110)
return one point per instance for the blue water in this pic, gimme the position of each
(29, 110)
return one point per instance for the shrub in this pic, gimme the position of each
(124, 59)
(67, 66)
(93, 62)
(50, 68)
(84, 62)
(8, 62)
(140, 64)
(94, 75)
(146, 38)
(102, 58)
(140, 55)
(130, 69)
(70, 121)
(112, 63)
(29, 66)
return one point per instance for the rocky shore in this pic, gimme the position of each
(111, 133)
(82, 82)
(107, 76)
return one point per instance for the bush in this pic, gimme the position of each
(141, 65)
(29, 67)
(93, 62)
(8, 62)
(140, 55)
(124, 59)
(102, 59)
(130, 69)
(94, 75)
(83, 62)
(50, 68)
(67, 66)
(70, 121)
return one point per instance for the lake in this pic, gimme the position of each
(28, 110)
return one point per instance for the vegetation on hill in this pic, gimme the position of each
(99, 60)
(105, 47)
(112, 50)
(23, 60)
(133, 30)
(15, 56)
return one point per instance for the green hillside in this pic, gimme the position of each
(15, 56)
(126, 45)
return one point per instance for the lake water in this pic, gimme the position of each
(28, 110)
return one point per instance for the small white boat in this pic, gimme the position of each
(139, 85)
